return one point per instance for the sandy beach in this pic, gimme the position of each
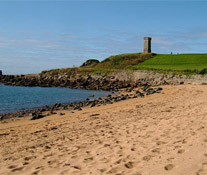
(161, 134)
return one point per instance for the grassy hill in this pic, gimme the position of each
(180, 63)
(124, 61)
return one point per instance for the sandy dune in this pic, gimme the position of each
(162, 134)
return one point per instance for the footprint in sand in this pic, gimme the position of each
(12, 166)
(89, 159)
(160, 143)
(35, 172)
(147, 158)
(169, 167)
(156, 150)
(180, 151)
(203, 170)
(17, 169)
(113, 170)
(129, 165)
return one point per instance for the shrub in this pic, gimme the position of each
(203, 71)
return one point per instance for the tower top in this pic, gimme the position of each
(147, 38)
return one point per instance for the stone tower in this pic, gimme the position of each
(147, 44)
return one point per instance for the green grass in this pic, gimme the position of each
(124, 61)
(80, 71)
(179, 62)
(112, 64)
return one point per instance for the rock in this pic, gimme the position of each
(152, 91)
(1, 118)
(60, 113)
(93, 104)
(157, 89)
(57, 105)
(141, 95)
(35, 116)
(77, 108)
(20, 116)
(42, 110)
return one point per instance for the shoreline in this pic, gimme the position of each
(163, 133)
(47, 110)
(55, 105)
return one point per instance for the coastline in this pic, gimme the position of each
(56, 97)
(47, 110)
(163, 133)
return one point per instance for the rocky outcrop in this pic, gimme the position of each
(154, 78)
(63, 80)
(114, 81)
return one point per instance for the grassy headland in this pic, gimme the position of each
(177, 63)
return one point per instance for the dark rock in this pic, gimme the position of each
(77, 108)
(141, 95)
(35, 116)
(20, 116)
(1, 118)
(152, 91)
(58, 105)
(42, 110)
(93, 104)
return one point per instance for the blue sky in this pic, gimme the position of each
(40, 35)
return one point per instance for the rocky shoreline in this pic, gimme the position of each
(108, 83)
(121, 95)
(117, 82)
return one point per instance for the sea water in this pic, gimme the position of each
(13, 98)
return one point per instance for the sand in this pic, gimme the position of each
(162, 134)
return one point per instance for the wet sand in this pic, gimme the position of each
(161, 134)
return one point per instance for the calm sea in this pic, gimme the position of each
(14, 98)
